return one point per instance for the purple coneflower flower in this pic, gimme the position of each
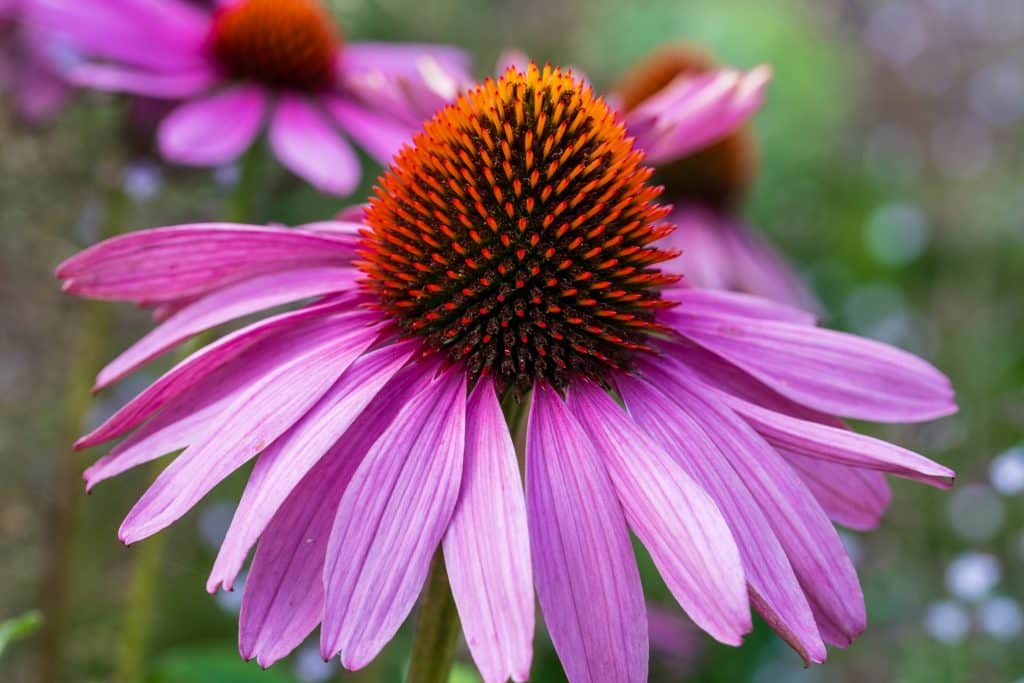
(707, 166)
(254, 62)
(27, 67)
(510, 253)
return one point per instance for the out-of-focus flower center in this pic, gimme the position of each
(717, 175)
(514, 234)
(282, 43)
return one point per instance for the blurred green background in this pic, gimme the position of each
(892, 165)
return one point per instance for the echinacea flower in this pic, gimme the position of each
(27, 68)
(689, 114)
(510, 253)
(255, 63)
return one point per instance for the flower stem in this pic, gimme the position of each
(437, 629)
(89, 349)
(241, 204)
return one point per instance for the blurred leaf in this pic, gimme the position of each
(19, 628)
(214, 665)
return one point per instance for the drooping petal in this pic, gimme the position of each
(167, 36)
(774, 588)
(851, 496)
(812, 545)
(305, 142)
(758, 268)
(213, 130)
(694, 111)
(381, 136)
(284, 591)
(586, 575)
(838, 445)
(166, 264)
(830, 371)
(283, 465)
(173, 85)
(487, 547)
(231, 302)
(258, 416)
(390, 521)
(716, 303)
(200, 364)
(680, 525)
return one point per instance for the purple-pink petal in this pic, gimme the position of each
(391, 520)
(717, 303)
(283, 465)
(169, 85)
(812, 545)
(213, 130)
(826, 370)
(774, 588)
(583, 564)
(200, 364)
(381, 136)
(680, 525)
(284, 591)
(305, 141)
(261, 413)
(183, 261)
(852, 496)
(487, 547)
(226, 304)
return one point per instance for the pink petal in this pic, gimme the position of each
(259, 415)
(838, 445)
(284, 592)
(829, 371)
(213, 130)
(487, 548)
(306, 143)
(381, 136)
(282, 466)
(231, 302)
(586, 575)
(692, 112)
(402, 58)
(188, 260)
(812, 545)
(690, 542)
(172, 85)
(854, 497)
(774, 588)
(390, 522)
(166, 36)
(200, 364)
(759, 269)
(712, 304)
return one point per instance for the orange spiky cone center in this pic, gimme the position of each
(282, 43)
(515, 234)
(718, 175)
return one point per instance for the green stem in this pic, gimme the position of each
(437, 629)
(94, 324)
(139, 604)
(241, 204)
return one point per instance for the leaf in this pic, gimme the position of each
(214, 665)
(18, 628)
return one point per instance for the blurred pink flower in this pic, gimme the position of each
(251, 63)
(509, 252)
(26, 67)
(689, 114)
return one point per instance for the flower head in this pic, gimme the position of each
(374, 411)
(232, 66)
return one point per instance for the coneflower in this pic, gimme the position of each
(510, 254)
(250, 62)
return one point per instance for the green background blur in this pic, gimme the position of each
(892, 165)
